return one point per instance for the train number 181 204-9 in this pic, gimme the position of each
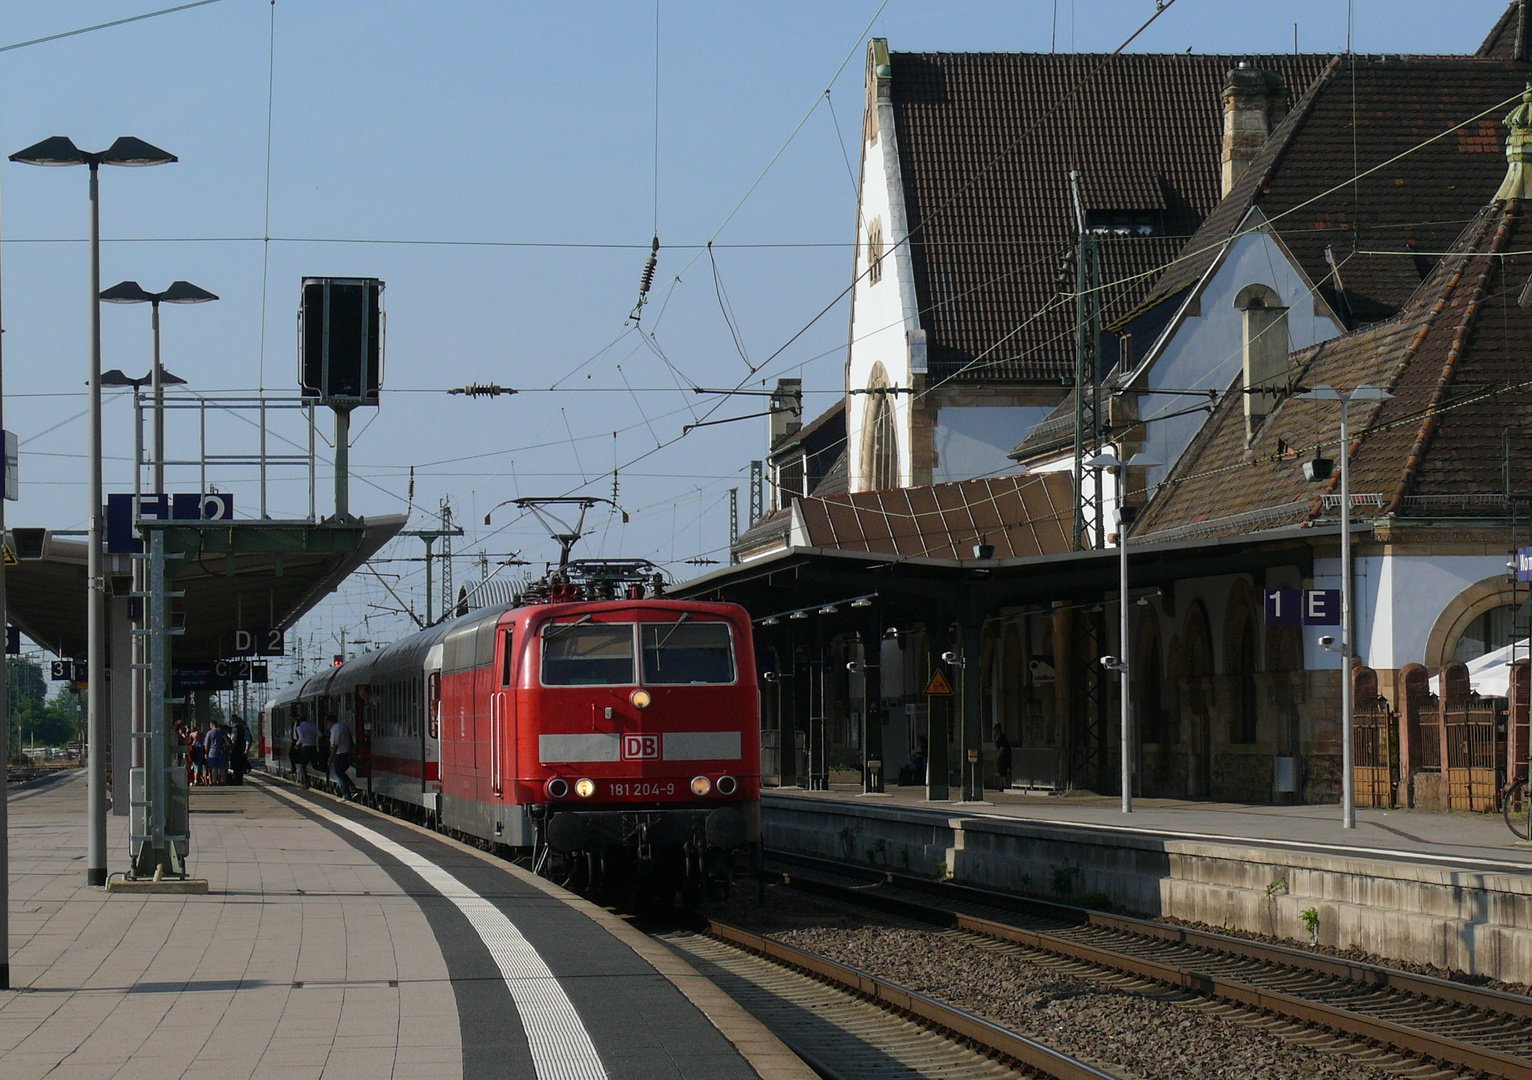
(640, 788)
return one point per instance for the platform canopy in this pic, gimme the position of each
(235, 575)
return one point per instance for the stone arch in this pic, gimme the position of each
(1463, 609)
(1148, 678)
(1256, 295)
(1242, 661)
(1197, 698)
(880, 435)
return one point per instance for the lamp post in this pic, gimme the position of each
(180, 292)
(1361, 393)
(127, 150)
(1109, 460)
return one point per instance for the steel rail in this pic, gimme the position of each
(1413, 1040)
(1355, 971)
(1029, 1052)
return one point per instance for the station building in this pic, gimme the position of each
(1369, 236)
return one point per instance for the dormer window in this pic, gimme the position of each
(1125, 222)
(875, 253)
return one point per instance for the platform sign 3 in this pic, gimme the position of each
(61, 671)
(1302, 607)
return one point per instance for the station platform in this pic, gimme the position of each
(1450, 890)
(335, 942)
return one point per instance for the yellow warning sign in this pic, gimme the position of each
(10, 556)
(938, 686)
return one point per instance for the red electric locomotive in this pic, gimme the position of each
(597, 726)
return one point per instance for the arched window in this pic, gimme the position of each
(880, 460)
(1242, 730)
(1495, 629)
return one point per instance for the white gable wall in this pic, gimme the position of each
(884, 317)
(976, 441)
(1207, 349)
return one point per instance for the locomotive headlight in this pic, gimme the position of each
(585, 787)
(701, 785)
(558, 787)
(727, 785)
(640, 699)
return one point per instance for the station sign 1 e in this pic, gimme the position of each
(1303, 607)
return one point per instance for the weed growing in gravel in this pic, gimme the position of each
(878, 853)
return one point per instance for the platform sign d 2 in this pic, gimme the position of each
(263, 642)
(1302, 607)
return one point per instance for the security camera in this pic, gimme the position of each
(769, 676)
(949, 657)
(1326, 641)
(1111, 663)
(853, 667)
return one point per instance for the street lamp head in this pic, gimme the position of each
(1104, 460)
(1319, 393)
(134, 152)
(184, 292)
(57, 150)
(1369, 393)
(126, 292)
(61, 150)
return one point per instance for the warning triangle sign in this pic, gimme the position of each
(938, 686)
(10, 556)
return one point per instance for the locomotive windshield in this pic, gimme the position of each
(588, 654)
(687, 653)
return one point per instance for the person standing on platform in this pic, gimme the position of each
(305, 749)
(239, 751)
(1002, 758)
(216, 743)
(342, 746)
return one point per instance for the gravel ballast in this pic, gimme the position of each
(1144, 1033)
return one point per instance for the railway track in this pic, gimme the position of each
(1456, 1025)
(847, 1023)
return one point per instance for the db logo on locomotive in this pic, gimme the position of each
(640, 747)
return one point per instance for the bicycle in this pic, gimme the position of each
(1516, 805)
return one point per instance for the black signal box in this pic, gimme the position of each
(340, 341)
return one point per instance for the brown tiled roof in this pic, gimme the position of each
(1508, 37)
(1388, 229)
(1019, 515)
(1455, 361)
(986, 141)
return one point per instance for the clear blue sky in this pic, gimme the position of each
(408, 124)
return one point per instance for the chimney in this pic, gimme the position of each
(786, 409)
(1254, 102)
(1518, 151)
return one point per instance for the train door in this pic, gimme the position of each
(430, 727)
(484, 710)
(364, 714)
(502, 715)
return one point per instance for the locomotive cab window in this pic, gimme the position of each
(687, 653)
(588, 654)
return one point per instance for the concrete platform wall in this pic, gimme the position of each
(1479, 923)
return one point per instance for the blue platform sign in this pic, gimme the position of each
(1302, 607)
(216, 506)
(1321, 607)
(1284, 607)
(1524, 564)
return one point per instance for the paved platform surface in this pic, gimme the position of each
(1477, 841)
(335, 943)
